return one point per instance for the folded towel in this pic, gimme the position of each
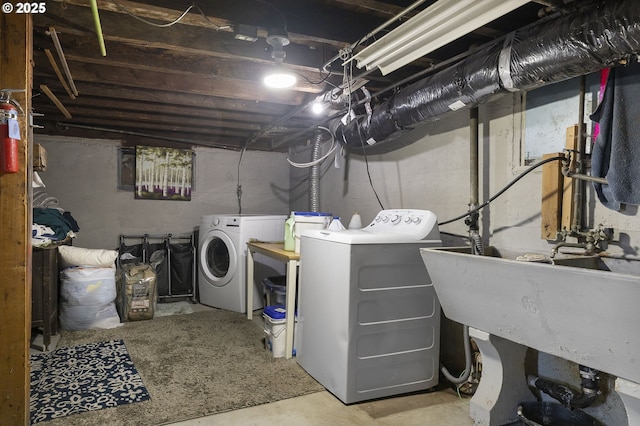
(616, 151)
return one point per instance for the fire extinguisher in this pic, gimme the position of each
(10, 134)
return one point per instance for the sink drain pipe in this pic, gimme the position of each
(472, 220)
(565, 395)
(474, 237)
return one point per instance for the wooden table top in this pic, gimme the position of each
(273, 249)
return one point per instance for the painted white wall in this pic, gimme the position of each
(433, 173)
(83, 176)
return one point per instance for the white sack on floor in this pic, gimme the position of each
(87, 298)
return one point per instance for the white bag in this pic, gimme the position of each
(87, 298)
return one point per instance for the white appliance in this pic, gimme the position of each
(368, 316)
(222, 258)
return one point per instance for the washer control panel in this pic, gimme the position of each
(405, 221)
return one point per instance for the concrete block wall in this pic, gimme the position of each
(83, 176)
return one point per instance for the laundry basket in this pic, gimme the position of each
(275, 290)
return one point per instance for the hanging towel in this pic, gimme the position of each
(616, 151)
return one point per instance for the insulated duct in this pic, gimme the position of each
(567, 46)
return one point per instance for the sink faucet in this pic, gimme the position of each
(588, 240)
(589, 248)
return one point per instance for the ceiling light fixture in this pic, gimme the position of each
(317, 107)
(278, 77)
(437, 25)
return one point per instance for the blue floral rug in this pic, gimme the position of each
(83, 378)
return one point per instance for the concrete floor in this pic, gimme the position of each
(441, 408)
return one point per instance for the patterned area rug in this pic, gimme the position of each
(194, 365)
(83, 378)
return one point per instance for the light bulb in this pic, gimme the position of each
(317, 108)
(280, 79)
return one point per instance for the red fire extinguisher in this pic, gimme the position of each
(10, 134)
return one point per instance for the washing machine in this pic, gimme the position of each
(368, 316)
(222, 258)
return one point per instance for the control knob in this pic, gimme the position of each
(395, 219)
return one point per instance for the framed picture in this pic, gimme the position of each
(163, 173)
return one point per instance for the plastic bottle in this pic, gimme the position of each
(355, 222)
(336, 225)
(289, 239)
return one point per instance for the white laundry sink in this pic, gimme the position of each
(584, 309)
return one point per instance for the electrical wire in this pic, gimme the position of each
(239, 187)
(321, 159)
(366, 162)
(347, 79)
(323, 79)
(502, 191)
(169, 24)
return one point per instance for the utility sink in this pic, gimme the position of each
(582, 308)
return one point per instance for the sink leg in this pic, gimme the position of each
(630, 394)
(503, 385)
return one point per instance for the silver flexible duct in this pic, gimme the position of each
(314, 173)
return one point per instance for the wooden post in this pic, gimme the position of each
(568, 189)
(551, 210)
(15, 232)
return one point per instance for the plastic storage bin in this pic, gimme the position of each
(274, 329)
(275, 290)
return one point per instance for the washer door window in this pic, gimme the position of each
(218, 258)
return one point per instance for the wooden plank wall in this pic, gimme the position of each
(558, 192)
(15, 230)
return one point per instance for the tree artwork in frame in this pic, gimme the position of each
(163, 173)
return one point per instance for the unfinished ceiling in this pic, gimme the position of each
(193, 83)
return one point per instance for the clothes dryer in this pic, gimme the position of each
(368, 316)
(222, 254)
